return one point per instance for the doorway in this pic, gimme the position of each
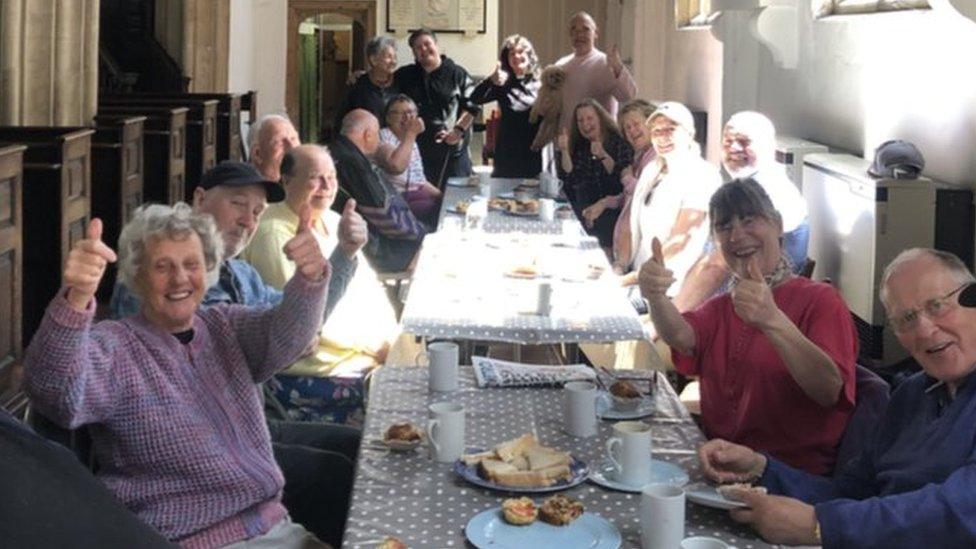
(325, 44)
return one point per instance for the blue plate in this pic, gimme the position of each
(577, 468)
(489, 529)
(661, 472)
(706, 494)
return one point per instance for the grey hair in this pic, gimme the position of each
(377, 44)
(155, 221)
(258, 126)
(949, 262)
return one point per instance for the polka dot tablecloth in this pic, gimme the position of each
(463, 286)
(420, 501)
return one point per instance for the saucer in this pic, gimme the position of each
(644, 409)
(661, 472)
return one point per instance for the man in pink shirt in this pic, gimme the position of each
(592, 73)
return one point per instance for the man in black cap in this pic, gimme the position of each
(317, 459)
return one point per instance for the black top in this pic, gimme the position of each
(513, 155)
(440, 96)
(364, 94)
(48, 499)
(589, 182)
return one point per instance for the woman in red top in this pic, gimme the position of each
(776, 354)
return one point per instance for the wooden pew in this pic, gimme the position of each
(56, 197)
(249, 104)
(228, 120)
(164, 149)
(11, 276)
(201, 133)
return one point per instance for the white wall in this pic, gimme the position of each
(258, 48)
(849, 82)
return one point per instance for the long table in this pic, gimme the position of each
(463, 286)
(420, 501)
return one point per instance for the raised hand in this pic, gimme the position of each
(498, 76)
(752, 298)
(778, 519)
(597, 150)
(616, 64)
(304, 250)
(723, 461)
(353, 232)
(593, 211)
(86, 266)
(451, 137)
(415, 126)
(563, 140)
(654, 278)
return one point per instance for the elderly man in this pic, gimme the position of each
(912, 485)
(270, 137)
(395, 232)
(749, 150)
(357, 334)
(592, 73)
(236, 195)
(442, 91)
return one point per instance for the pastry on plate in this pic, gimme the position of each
(519, 511)
(624, 389)
(560, 510)
(390, 542)
(403, 432)
(728, 490)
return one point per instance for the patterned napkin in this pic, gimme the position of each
(491, 372)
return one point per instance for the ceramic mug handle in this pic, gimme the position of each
(611, 444)
(426, 357)
(431, 425)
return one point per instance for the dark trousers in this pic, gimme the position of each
(318, 461)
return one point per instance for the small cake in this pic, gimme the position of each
(519, 511)
(390, 542)
(560, 510)
(403, 432)
(624, 389)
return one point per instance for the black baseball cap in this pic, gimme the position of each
(897, 159)
(231, 173)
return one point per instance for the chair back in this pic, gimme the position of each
(77, 440)
(872, 400)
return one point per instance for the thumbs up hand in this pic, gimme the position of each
(752, 298)
(353, 232)
(304, 250)
(499, 76)
(616, 64)
(654, 278)
(562, 142)
(86, 265)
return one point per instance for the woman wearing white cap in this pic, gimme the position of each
(671, 199)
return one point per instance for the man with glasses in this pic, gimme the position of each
(912, 486)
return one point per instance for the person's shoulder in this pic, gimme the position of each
(564, 60)
(911, 389)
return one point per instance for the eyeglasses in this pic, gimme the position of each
(933, 308)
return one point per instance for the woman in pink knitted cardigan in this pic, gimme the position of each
(170, 395)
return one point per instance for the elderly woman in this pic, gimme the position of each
(514, 84)
(399, 157)
(912, 485)
(671, 199)
(169, 395)
(776, 355)
(632, 120)
(598, 153)
(373, 89)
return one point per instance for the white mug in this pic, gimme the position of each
(662, 516)
(445, 431)
(543, 305)
(550, 186)
(580, 407)
(703, 542)
(442, 374)
(547, 209)
(629, 450)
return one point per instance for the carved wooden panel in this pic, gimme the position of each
(11, 265)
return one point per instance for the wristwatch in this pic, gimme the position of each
(816, 530)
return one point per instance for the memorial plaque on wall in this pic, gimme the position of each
(465, 16)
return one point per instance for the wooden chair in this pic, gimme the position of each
(11, 277)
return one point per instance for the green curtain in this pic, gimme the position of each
(308, 88)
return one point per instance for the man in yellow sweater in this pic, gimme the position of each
(358, 332)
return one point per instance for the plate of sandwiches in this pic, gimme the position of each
(522, 465)
(528, 207)
(459, 207)
(717, 497)
(560, 522)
